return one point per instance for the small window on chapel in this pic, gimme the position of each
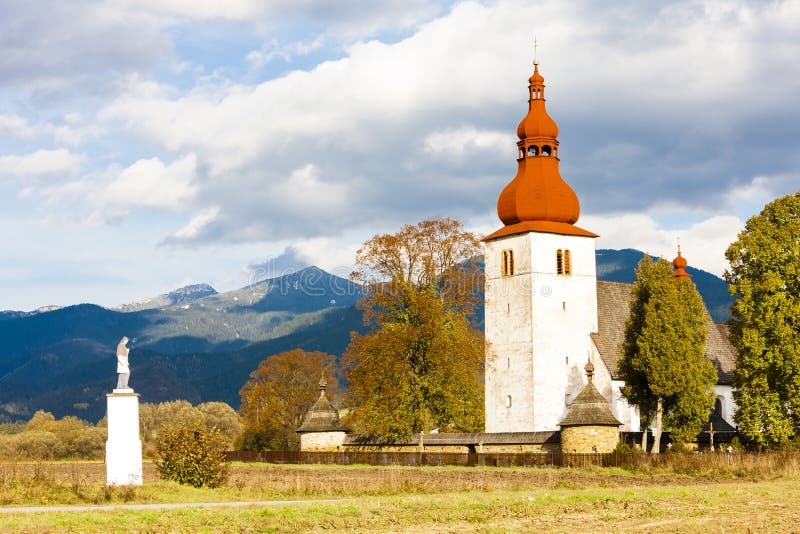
(567, 263)
(533, 150)
(559, 261)
(546, 150)
(507, 260)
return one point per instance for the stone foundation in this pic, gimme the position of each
(589, 439)
(321, 441)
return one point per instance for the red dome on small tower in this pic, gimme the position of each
(680, 264)
(538, 199)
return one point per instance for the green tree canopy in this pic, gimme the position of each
(663, 364)
(765, 325)
(421, 365)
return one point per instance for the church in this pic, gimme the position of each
(553, 331)
(546, 312)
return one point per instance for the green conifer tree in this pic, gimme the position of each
(664, 365)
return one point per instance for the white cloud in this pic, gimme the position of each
(58, 163)
(455, 143)
(149, 182)
(703, 243)
(273, 50)
(196, 225)
(200, 9)
(305, 191)
(397, 127)
(15, 126)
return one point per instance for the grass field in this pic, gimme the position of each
(394, 499)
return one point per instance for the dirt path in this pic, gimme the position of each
(166, 506)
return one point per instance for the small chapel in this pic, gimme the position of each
(553, 331)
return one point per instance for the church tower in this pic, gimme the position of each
(541, 291)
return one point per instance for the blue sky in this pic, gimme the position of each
(149, 144)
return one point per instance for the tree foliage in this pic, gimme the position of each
(278, 395)
(171, 413)
(765, 325)
(192, 454)
(664, 352)
(420, 366)
(45, 437)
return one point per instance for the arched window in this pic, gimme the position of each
(533, 150)
(559, 261)
(546, 150)
(521, 153)
(567, 263)
(508, 401)
(507, 263)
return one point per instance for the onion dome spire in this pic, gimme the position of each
(538, 199)
(680, 264)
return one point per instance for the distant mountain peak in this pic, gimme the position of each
(181, 295)
(190, 293)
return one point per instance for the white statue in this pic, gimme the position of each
(122, 364)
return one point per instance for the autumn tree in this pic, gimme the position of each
(278, 395)
(765, 325)
(212, 415)
(664, 366)
(420, 366)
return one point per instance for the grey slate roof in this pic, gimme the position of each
(613, 307)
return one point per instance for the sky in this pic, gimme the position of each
(150, 144)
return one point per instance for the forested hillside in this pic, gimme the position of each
(200, 345)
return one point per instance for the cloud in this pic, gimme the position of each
(458, 143)
(703, 243)
(55, 48)
(364, 116)
(149, 182)
(195, 226)
(15, 126)
(58, 163)
(273, 50)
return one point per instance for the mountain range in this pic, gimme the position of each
(200, 345)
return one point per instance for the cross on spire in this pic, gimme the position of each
(535, 50)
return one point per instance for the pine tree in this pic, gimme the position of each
(765, 324)
(664, 366)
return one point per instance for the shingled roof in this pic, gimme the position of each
(322, 417)
(613, 307)
(590, 407)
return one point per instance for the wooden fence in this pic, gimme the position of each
(533, 459)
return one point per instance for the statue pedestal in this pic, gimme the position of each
(123, 448)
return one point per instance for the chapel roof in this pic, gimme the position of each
(613, 308)
(322, 417)
(590, 408)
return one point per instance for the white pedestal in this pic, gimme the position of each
(123, 448)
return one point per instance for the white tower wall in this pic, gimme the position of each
(537, 329)
(123, 448)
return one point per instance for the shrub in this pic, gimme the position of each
(189, 453)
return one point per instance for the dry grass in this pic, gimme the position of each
(654, 496)
(84, 482)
